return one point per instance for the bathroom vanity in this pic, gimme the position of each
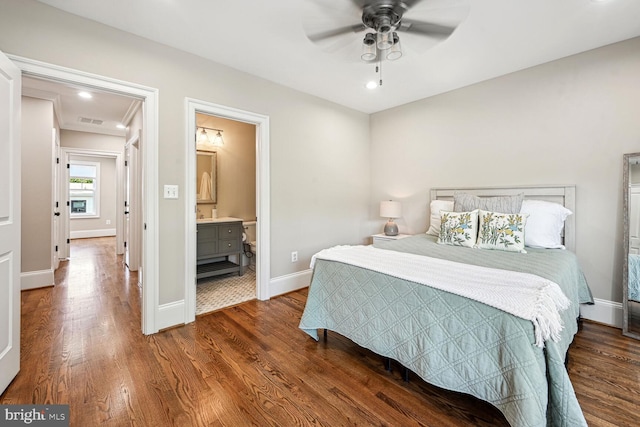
(217, 240)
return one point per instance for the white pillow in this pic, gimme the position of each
(436, 206)
(545, 224)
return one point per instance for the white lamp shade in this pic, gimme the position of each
(390, 209)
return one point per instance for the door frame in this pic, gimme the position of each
(263, 197)
(55, 199)
(132, 237)
(149, 154)
(66, 153)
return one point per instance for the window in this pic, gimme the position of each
(84, 193)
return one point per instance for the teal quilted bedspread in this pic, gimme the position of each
(454, 342)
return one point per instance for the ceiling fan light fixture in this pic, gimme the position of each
(395, 52)
(369, 47)
(384, 40)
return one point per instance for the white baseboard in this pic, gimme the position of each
(289, 283)
(36, 279)
(603, 311)
(87, 234)
(171, 314)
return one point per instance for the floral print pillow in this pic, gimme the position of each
(501, 231)
(458, 228)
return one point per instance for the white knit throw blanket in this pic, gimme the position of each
(524, 295)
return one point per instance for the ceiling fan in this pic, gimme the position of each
(382, 20)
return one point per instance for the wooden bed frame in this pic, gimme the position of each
(562, 194)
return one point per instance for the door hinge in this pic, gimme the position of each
(57, 204)
(67, 203)
(56, 248)
(57, 160)
(126, 163)
(125, 244)
(68, 241)
(145, 225)
(68, 166)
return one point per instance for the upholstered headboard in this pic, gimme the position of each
(562, 194)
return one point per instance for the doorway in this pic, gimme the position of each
(149, 155)
(262, 263)
(225, 194)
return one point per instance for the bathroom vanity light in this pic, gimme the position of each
(202, 137)
(392, 210)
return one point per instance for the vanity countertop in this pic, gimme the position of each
(214, 220)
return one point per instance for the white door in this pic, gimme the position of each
(55, 178)
(132, 204)
(10, 90)
(127, 206)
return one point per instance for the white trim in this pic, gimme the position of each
(96, 191)
(149, 96)
(65, 154)
(87, 234)
(290, 282)
(263, 260)
(603, 311)
(171, 314)
(36, 279)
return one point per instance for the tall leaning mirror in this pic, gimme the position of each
(631, 266)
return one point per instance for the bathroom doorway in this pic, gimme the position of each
(225, 182)
(233, 190)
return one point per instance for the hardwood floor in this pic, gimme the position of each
(251, 365)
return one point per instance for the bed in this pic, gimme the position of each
(455, 342)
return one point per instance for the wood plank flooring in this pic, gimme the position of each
(251, 365)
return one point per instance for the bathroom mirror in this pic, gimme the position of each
(206, 177)
(631, 238)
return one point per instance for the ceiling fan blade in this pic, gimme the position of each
(324, 35)
(426, 28)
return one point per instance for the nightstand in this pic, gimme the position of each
(377, 238)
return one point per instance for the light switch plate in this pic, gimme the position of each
(170, 191)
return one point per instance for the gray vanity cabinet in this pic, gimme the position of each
(216, 242)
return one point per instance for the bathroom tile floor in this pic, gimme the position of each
(214, 293)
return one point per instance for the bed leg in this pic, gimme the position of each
(387, 364)
(405, 375)
(324, 334)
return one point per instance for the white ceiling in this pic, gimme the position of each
(76, 113)
(267, 39)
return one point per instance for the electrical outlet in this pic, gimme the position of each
(294, 256)
(108, 222)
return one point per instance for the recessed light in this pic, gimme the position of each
(371, 85)
(85, 95)
(121, 126)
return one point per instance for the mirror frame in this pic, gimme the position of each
(214, 176)
(626, 240)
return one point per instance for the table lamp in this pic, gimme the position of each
(390, 209)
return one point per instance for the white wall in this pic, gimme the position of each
(319, 150)
(565, 122)
(37, 206)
